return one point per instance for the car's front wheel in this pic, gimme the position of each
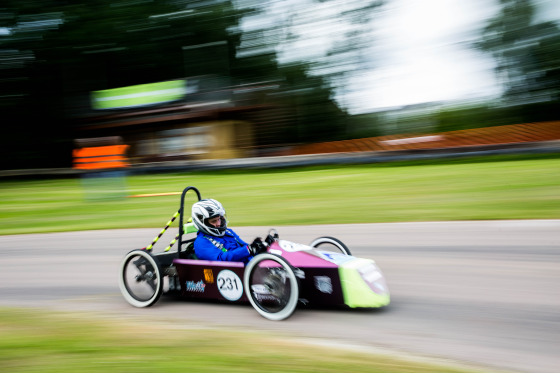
(271, 286)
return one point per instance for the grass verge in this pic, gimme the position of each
(35, 341)
(500, 187)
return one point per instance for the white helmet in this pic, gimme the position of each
(205, 209)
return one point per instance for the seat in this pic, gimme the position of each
(189, 250)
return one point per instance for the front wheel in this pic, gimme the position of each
(140, 279)
(329, 243)
(271, 286)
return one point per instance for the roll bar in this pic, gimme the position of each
(182, 214)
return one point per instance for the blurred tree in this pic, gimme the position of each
(470, 116)
(53, 51)
(105, 44)
(318, 44)
(527, 53)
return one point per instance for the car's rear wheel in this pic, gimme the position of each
(271, 286)
(328, 243)
(140, 280)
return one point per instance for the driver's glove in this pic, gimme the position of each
(269, 239)
(256, 247)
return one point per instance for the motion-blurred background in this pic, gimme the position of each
(214, 79)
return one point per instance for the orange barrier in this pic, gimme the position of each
(104, 157)
(496, 135)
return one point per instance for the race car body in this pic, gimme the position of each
(323, 273)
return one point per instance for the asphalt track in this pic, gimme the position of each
(480, 293)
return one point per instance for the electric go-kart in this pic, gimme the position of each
(323, 273)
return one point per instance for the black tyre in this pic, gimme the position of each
(271, 286)
(140, 279)
(329, 243)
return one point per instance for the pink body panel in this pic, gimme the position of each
(302, 258)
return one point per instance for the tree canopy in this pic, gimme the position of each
(527, 54)
(51, 51)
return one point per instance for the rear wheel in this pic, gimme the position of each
(271, 286)
(328, 243)
(140, 280)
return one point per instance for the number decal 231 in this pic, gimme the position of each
(229, 285)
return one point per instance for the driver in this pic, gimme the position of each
(214, 241)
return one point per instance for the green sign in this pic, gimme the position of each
(139, 95)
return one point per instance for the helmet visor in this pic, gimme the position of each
(218, 222)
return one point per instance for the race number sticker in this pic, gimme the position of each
(229, 285)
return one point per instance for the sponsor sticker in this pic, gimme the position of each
(192, 286)
(229, 285)
(323, 284)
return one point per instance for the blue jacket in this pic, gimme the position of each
(229, 247)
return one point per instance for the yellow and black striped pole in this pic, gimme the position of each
(149, 248)
(189, 228)
(172, 243)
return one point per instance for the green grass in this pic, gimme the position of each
(38, 341)
(513, 187)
